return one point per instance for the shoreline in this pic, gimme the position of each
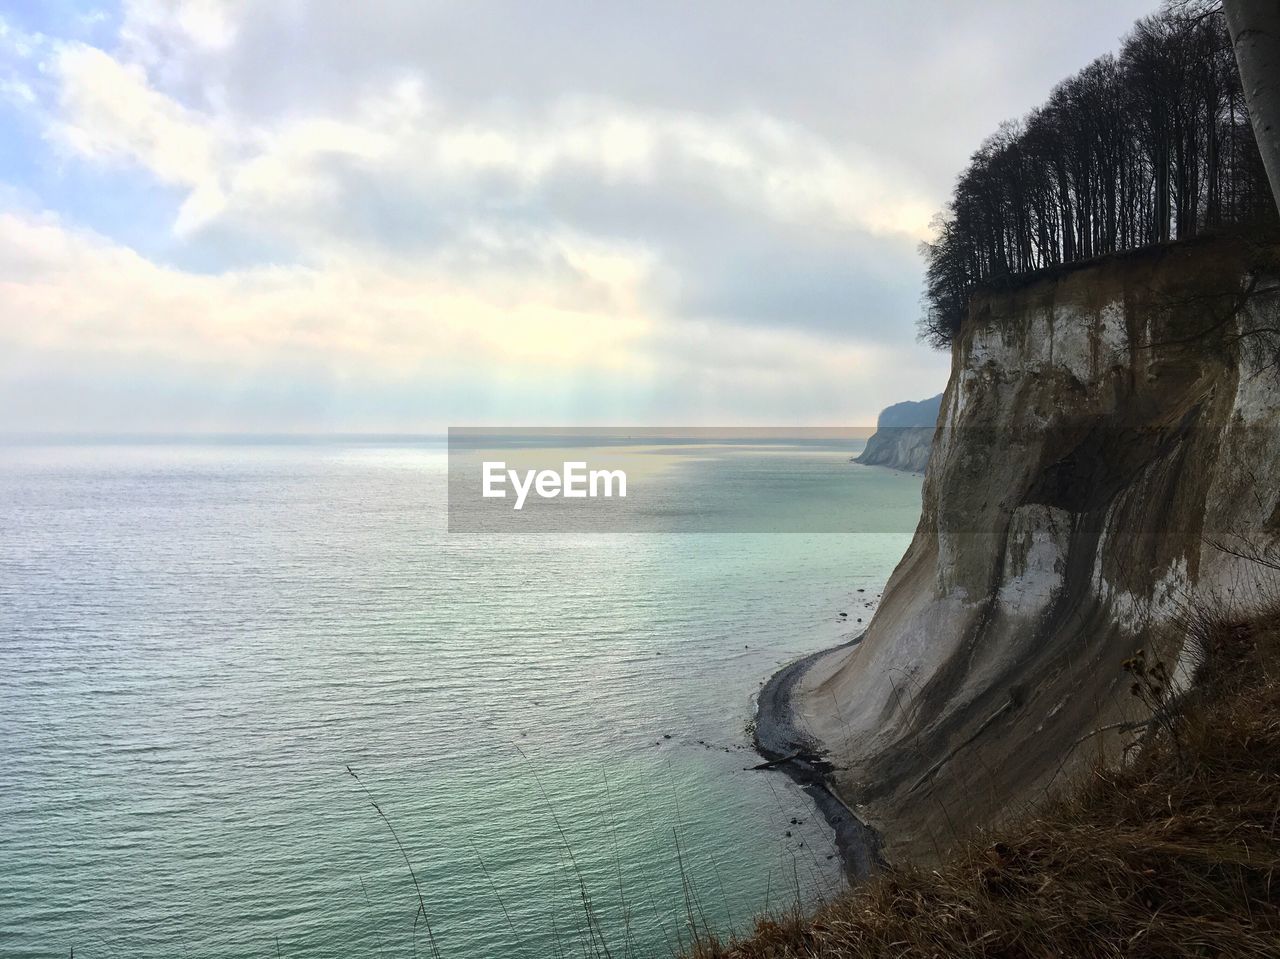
(778, 739)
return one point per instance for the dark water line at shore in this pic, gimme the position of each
(779, 739)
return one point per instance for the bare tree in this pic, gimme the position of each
(1151, 145)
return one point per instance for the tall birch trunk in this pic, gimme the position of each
(1255, 34)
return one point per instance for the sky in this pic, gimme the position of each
(403, 215)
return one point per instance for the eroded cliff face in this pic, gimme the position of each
(1102, 430)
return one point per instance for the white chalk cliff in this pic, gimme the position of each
(903, 436)
(1105, 430)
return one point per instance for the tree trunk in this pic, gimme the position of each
(1255, 35)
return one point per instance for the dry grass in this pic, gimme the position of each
(1172, 855)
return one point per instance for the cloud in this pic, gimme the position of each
(155, 27)
(68, 289)
(109, 113)
(570, 339)
(416, 212)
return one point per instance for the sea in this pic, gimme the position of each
(256, 699)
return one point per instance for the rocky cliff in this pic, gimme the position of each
(903, 436)
(1108, 433)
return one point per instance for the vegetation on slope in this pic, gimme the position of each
(1174, 853)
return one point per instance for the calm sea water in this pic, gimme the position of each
(198, 640)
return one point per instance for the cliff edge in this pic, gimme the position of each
(1106, 450)
(903, 436)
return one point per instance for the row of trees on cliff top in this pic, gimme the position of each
(1149, 145)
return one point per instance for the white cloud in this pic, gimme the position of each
(65, 289)
(575, 245)
(156, 30)
(109, 112)
(18, 50)
(534, 341)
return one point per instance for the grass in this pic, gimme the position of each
(594, 908)
(1173, 853)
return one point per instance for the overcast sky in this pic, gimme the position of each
(400, 215)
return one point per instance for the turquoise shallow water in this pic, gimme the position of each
(196, 640)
